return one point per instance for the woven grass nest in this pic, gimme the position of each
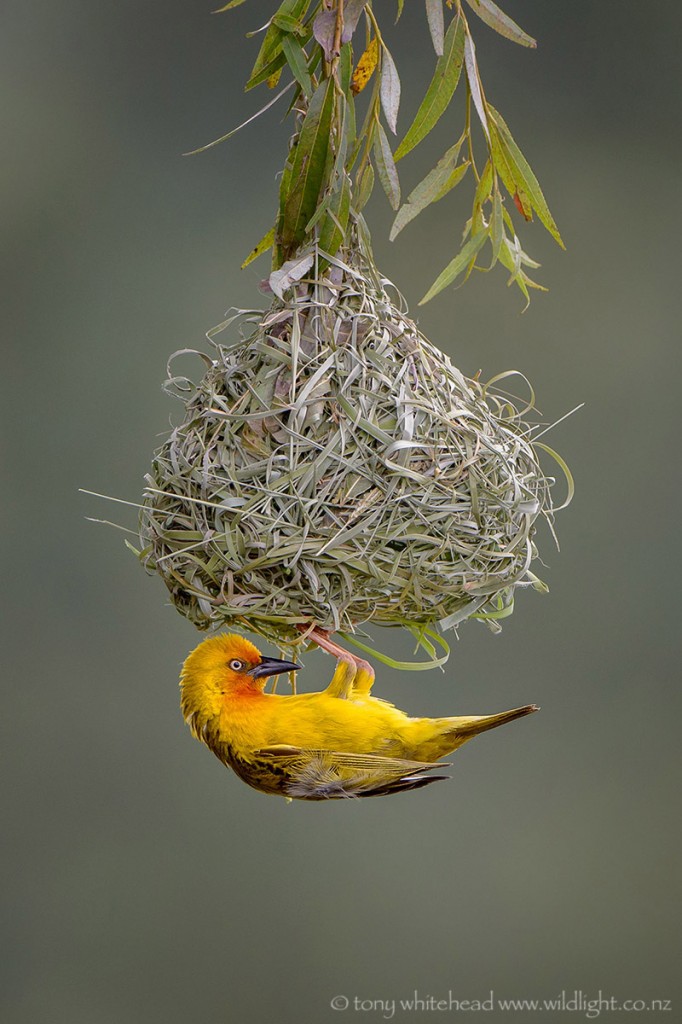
(334, 467)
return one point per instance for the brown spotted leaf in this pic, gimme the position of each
(365, 67)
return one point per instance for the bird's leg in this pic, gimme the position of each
(364, 679)
(361, 679)
(342, 680)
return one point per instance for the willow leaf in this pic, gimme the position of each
(227, 7)
(351, 15)
(364, 68)
(388, 175)
(523, 178)
(297, 61)
(364, 188)
(390, 90)
(491, 14)
(292, 271)
(466, 254)
(511, 256)
(270, 69)
(345, 69)
(441, 89)
(434, 16)
(427, 191)
(475, 82)
(453, 180)
(265, 243)
(301, 190)
(483, 193)
(271, 46)
(289, 24)
(505, 169)
(496, 226)
(324, 30)
(334, 226)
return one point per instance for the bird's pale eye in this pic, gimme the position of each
(236, 665)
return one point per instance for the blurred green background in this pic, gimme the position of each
(143, 882)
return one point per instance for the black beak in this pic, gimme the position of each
(272, 667)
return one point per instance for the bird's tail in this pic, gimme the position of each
(453, 732)
(472, 725)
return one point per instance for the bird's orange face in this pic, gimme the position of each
(231, 659)
(225, 666)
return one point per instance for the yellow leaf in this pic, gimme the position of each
(265, 243)
(274, 78)
(365, 67)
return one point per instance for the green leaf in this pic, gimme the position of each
(271, 47)
(298, 62)
(275, 65)
(388, 175)
(475, 82)
(345, 68)
(334, 226)
(491, 14)
(265, 243)
(429, 190)
(390, 90)
(227, 7)
(485, 186)
(453, 180)
(466, 254)
(520, 178)
(434, 16)
(364, 187)
(301, 188)
(441, 89)
(289, 24)
(482, 195)
(496, 226)
(334, 178)
(504, 168)
(512, 257)
(365, 137)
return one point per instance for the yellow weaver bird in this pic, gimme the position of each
(341, 742)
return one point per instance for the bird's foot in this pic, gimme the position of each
(364, 673)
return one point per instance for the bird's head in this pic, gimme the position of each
(222, 666)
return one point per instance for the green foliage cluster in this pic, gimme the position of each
(335, 159)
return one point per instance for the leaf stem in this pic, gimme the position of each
(338, 30)
(467, 130)
(375, 24)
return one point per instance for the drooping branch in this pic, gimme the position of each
(326, 183)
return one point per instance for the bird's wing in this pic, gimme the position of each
(331, 774)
